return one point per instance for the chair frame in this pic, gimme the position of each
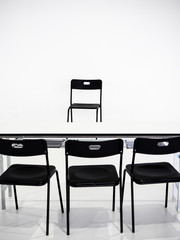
(72, 149)
(29, 148)
(80, 84)
(150, 147)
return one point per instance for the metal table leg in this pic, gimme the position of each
(9, 186)
(3, 188)
(176, 186)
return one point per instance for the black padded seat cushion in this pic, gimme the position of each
(24, 174)
(160, 172)
(85, 105)
(93, 175)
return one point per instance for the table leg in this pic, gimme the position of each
(3, 203)
(9, 186)
(176, 186)
(175, 164)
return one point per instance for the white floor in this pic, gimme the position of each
(89, 219)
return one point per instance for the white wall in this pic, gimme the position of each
(132, 45)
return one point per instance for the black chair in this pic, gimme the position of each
(77, 84)
(93, 175)
(28, 174)
(152, 172)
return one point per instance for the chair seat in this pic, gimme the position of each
(154, 173)
(93, 175)
(85, 105)
(32, 175)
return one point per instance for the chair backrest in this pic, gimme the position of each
(23, 147)
(157, 146)
(93, 149)
(80, 84)
(86, 84)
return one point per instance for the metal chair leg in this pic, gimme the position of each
(124, 177)
(97, 115)
(166, 195)
(132, 205)
(47, 216)
(113, 202)
(68, 114)
(67, 208)
(59, 190)
(15, 196)
(132, 199)
(71, 115)
(121, 207)
(100, 114)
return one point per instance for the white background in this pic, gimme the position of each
(132, 45)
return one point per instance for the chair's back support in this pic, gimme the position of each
(80, 84)
(23, 147)
(86, 84)
(95, 149)
(157, 146)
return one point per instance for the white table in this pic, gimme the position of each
(85, 130)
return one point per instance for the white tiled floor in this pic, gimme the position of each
(89, 220)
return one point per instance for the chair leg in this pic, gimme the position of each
(59, 190)
(97, 115)
(121, 206)
(124, 177)
(67, 207)
(132, 205)
(166, 195)
(100, 114)
(69, 110)
(68, 114)
(69, 199)
(71, 115)
(48, 199)
(15, 196)
(113, 202)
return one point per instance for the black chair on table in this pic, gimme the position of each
(29, 174)
(104, 175)
(78, 84)
(152, 172)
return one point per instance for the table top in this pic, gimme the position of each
(65, 130)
